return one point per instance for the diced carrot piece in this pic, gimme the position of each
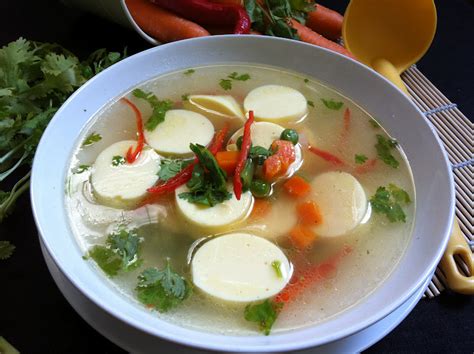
(302, 236)
(277, 164)
(297, 186)
(227, 160)
(309, 213)
(261, 207)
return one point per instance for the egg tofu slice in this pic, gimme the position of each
(238, 267)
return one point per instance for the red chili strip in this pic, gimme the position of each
(208, 13)
(219, 139)
(131, 155)
(307, 277)
(327, 156)
(244, 152)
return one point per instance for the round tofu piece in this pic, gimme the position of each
(180, 128)
(219, 216)
(262, 133)
(276, 103)
(124, 185)
(238, 267)
(341, 200)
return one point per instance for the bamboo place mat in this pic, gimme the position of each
(457, 134)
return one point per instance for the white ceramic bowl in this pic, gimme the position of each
(431, 173)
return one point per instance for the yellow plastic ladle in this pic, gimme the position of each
(390, 36)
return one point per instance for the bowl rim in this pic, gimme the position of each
(288, 340)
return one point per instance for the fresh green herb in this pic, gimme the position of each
(121, 252)
(273, 17)
(360, 158)
(118, 160)
(306, 81)
(265, 314)
(277, 267)
(189, 72)
(170, 168)
(290, 135)
(226, 84)
(81, 168)
(260, 189)
(384, 147)
(400, 195)
(92, 139)
(310, 103)
(162, 289)
(239, 77)
(6, 249)
(374, 123)
(185, 97)
(208, 184)
(35, 80)
(159, 108)
(387, 201)
(331, 104)
(246, 175)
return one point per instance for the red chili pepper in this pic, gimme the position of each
(219, 139)
(244, 151)
(208, 13)
(326, 156)
(131, 155)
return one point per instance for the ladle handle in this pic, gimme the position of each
(386, 69)
(457, 245)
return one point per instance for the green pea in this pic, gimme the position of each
(260, 189)
(290, 135)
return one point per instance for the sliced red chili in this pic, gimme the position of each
(325, 155)
(131, 155)
(219, 139)
(209, 13)
(244, 152)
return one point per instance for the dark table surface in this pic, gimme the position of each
(36, 318)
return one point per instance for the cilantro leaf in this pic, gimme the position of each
(118, 160)
(159, 108)
(80, 169)
(360, 158)
(387, 201)
(162, 289)
(384, 147)
(226, 84)
(237, 77)
(265, 314)
(170, 168)
(121, 252)
(208, 184)
(92, 139)
(6, 249)
(189, 72)
(256, 14)
(331, 104)
(310, 103)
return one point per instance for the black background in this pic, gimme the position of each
(36, 318)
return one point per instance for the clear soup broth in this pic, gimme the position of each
(337, 219)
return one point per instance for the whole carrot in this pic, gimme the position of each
(325, 21)
(161, 24)
(309, 36)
